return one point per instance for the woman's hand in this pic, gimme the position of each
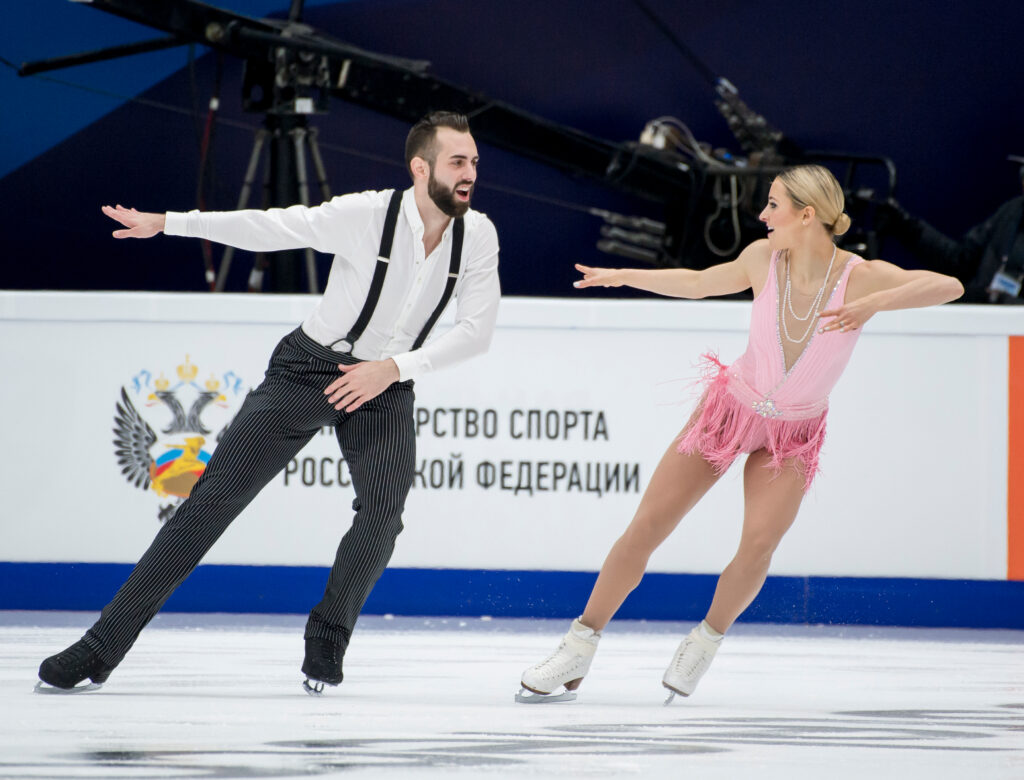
(598, 277)
(849, 316)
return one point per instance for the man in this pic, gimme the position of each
(398, 258)
(988, 260)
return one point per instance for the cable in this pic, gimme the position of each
(685, 50)
(205, 156)
(695, 149)
(734, 203)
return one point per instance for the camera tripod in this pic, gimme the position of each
(286, 139)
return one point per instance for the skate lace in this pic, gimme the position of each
(549, 662)
(690, 659)
(76, 656)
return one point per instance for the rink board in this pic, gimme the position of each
(458, 592)
(531, 459)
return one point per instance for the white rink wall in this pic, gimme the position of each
(574, 404)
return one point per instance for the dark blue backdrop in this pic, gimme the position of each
(936, 87)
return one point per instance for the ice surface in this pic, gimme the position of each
(219, 696)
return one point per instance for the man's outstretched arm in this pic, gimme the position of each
(333, 227)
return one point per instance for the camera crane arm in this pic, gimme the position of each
(398, 87)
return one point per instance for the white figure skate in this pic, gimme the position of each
(693, 657)
(565, 668)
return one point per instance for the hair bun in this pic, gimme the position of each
(841, 225)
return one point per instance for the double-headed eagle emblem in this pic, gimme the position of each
(170, 474)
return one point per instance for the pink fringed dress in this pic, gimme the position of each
(755, 403)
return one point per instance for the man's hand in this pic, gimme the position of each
(361, 383)
(140, 224)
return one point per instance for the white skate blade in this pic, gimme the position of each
(529, 697)
(42, 687)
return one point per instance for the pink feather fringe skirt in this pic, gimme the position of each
(723, 427)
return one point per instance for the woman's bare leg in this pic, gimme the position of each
(677, 485)
(771, 502)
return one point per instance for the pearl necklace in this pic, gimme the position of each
(812, 313)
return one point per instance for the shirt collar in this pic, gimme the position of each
(412, 215)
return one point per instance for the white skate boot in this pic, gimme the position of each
(692, 659)
(567, 667)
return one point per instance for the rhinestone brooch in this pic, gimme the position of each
(766, 408)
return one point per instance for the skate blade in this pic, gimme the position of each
(315, 687)
(42, 687)
(672, 693)
(529, 697)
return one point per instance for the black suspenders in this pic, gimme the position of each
(453, 276)
(380, 271)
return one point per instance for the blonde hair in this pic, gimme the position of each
(815, 186)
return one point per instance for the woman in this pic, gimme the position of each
(810, 302)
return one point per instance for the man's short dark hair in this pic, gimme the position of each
(420, 141)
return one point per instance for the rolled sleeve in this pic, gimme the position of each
(175, 223)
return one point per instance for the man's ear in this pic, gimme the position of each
(419, 168)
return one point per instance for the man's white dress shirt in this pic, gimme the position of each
(350, 227)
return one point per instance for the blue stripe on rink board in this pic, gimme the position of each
(295, 589)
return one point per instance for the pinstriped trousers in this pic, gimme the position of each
(275, 422)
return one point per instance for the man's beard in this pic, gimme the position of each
(444, 198)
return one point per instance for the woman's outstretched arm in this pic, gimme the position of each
(722, 279)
